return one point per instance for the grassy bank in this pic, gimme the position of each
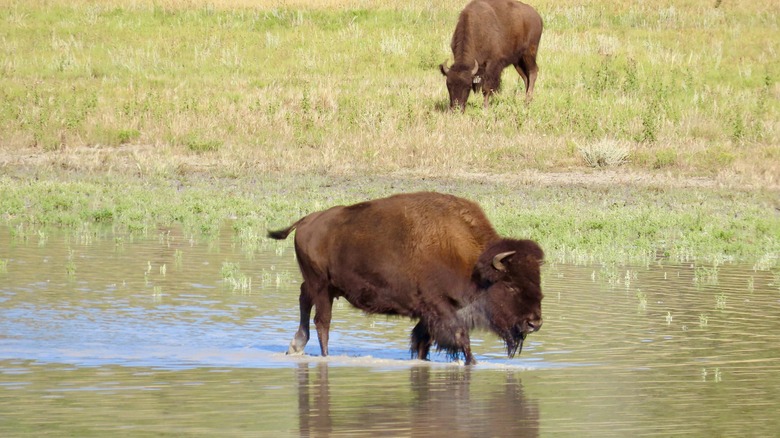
(607, 224)
(352, 86)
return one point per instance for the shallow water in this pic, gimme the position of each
(102, 333)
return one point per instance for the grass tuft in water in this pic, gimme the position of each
(705, 276)
(720, 301)
(641, 301)
(235, 279)
(273, 278)
(178, 257)
(70, 265)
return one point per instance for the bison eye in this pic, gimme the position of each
(513, 289)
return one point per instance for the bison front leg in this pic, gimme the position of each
(462, 338)
(302, 335)
(421, 341)
(486, 100)
(468, 356)
(491, 81)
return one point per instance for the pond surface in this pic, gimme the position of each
(106, 334)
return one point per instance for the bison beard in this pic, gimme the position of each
(427, 256)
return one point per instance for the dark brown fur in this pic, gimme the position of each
(427, 256)
(490, 36)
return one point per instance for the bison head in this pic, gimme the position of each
(460, 79)
(508, 272)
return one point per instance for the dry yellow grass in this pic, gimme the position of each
(237, 4)
(351, 86)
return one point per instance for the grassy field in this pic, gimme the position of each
(345, 86)
(133, 113)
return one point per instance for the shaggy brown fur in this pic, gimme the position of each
(490, 36)
(427, 256)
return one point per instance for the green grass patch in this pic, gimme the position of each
(576, 224)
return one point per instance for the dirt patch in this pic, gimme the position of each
(163, 160)
(585, 177)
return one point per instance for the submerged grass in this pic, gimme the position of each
(236, 280)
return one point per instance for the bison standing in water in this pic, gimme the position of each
(490, 36)
(428, 256)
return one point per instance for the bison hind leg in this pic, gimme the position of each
(520, 67)
(528, 70)
(301, 337)
(297, 345)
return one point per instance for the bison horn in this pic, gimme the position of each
(499, 257)
(444, 69)
(476, 68)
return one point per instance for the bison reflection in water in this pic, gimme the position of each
(428, 256)
(440, 402)
(490, 36)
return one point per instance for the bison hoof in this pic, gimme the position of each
(292, 350)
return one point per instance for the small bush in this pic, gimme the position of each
(650, 124)
(605, 153)
(200, 145)
(127, 135)
(664, 158)
(103, 215)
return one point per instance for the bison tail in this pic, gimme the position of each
(281, 234)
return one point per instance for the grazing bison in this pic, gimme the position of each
(490, 36)
(427, 256)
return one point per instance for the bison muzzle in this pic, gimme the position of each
(428, 256)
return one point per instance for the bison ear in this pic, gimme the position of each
(476, 68)
(444, 69)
